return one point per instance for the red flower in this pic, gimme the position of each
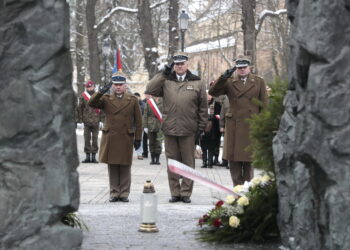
(217, 222)
(205, 217)
(219, 203)
(200, 221)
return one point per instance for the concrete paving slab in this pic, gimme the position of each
(115, 225)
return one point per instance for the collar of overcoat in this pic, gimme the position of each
(189, 77)
(243, 88)
(120, 104)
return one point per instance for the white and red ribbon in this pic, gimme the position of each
(155, 109)
(87, 97)
(190, 173)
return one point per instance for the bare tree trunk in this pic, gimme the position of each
(94, 60)
(249, 32)
(173, 28)
(150, 51)
(79, 45)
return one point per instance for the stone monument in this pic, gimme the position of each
(38, 153)
(312, 147)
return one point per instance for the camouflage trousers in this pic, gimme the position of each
(155, 143)
(91, 138)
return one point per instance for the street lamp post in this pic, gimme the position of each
(183, 24)
(106, 49)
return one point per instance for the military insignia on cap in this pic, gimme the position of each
(118, 78)
(242, 62)
(180, 57)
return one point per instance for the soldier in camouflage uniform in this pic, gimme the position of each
(91, 118)
(152, 126)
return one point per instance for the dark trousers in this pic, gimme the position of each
(119, 180)
(91, 138)
(241, 171)
(145, 144)
(180, 148)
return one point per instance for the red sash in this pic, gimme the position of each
(87, 97)
(155, 109)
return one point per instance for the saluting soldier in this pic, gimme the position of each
(121, 132)
(184, 114)
(240, 89)
(152, 124)
(91, 119)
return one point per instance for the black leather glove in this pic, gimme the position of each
(167, 69)
(228, 73)
(137, 144)
(105, 88)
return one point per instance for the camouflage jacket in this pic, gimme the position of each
(88, 115)
(150, 121)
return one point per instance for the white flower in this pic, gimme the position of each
(246, 187)
(238, 188)
(255, 181)
(230, 199)
(243, 201)
(265, 179)
(234, 221)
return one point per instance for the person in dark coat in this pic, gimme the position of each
(241, 90)
(210, 139)
(145, 134)
(121, 132)
(139, 151)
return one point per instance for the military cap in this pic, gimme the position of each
(89, 84)
(118, 78)
(242, 62)
(180, 57)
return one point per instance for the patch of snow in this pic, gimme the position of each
(222, 43)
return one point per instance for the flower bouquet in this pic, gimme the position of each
(250, 217)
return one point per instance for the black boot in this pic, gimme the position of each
(216, 160)
(93, 158)
(210, 159)
(153, 161)
(204, 158)
(157, 159)
(225, 163)
(87, 159)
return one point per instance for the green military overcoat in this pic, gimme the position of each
(123, 124)
(185, 108)
(150, 121)
(241, 108)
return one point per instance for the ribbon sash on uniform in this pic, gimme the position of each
(155, 109)
(87, 97)
(181, 169)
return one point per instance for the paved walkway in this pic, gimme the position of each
(115, 225)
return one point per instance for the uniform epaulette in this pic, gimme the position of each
(258, 77)
(133, 96)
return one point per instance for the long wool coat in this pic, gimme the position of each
(241, 108)
(123, 124)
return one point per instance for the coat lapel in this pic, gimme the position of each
(237, 84)
(247, 86)
(120, 104)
